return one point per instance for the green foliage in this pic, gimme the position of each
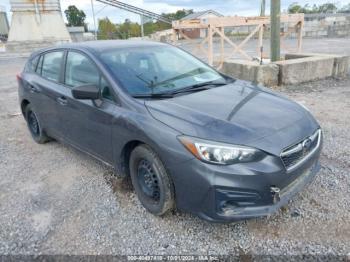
(128, 29)
(315, 9)
(151, 27)
(106, 29)
(179, 14)
(75, 17)
(294, 8)
(327, 8)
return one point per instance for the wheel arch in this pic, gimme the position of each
(125, 156)
(24, 104)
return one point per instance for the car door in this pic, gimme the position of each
(46, 89)
(88, 124)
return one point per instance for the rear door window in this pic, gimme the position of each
(51, 65)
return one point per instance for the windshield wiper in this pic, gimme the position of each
(192, 88)
(156, 95)
(194, 72)
(198, 87)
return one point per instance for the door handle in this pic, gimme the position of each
(62, 100)
(33, 89)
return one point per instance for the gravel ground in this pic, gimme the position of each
(326, 45)
(56, 200)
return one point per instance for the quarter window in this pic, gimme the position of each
(32, 63)
(106, 93)
(51, 68)
(40, 65)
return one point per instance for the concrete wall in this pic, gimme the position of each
(297, 68)
(78, 34)
(341, 64)
(4, 24)
(316, 26)
(252, 71)
(305, 69)
(25, 26)
(162, 36)
(36, 24)
(327, 25)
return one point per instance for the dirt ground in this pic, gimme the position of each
(56, 200)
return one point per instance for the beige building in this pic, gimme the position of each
(203, 16)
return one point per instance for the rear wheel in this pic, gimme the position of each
(151, 182)
(34, 126)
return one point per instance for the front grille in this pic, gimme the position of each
(294, 155)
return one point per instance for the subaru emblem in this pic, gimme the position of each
(307, 144)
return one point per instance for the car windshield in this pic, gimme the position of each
(158, 69)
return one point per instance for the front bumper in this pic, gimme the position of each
(237, 192)
(239, 213)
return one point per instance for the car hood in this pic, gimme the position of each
(237, 113)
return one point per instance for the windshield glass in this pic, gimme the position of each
(157, 69)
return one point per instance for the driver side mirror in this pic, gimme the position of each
(91, 92)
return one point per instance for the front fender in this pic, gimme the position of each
(135, 127)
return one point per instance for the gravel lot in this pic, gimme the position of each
(325, 45)
(56, 200)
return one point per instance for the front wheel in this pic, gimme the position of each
(151, 181)
(34, 126)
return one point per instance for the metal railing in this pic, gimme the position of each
(135, 10)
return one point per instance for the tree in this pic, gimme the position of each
(151, 27)
(306, 9)
(345, 9)
(106, 29)
(129, 29)
(327, 8)
(294, 8)
(75, 17)
(178, 14)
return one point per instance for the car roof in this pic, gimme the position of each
(104, 45)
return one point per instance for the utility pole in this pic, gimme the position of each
(262, 8)
(93, 17)
(275, 30)
(142, 29)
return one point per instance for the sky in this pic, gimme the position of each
(225, 7)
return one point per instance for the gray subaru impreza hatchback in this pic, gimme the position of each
(188, 136)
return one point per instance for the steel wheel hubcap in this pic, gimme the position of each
(33, 123)
(148, 180)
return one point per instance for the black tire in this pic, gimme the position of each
(34, 126)
(156, 194)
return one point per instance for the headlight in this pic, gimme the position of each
(220, 153)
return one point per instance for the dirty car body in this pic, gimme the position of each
(233, 150)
